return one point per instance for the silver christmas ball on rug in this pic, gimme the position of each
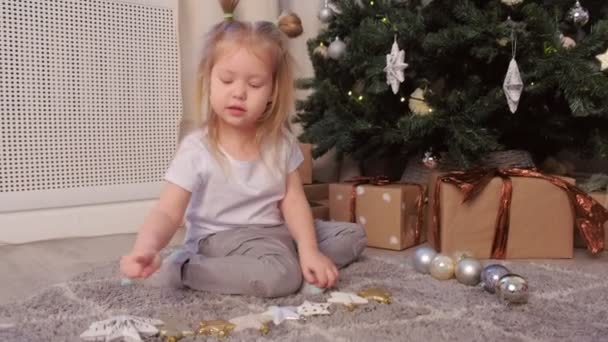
(468, 271)
(512, 289)
(423, 257)
(490, 276)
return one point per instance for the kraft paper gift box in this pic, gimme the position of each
(316, 192)
(541, 219)
(320, 210)
(389, 213)
(305, 169)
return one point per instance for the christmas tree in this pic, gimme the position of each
(458, 77)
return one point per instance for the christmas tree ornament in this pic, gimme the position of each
(468, 271)
(567, 42)
(578, 15)
(417, 104)
(216, 328)
(172, 331)
(321, 50)
(490, 276)
(422, 259)
(253, 321)
(430, 160)
(376, 294)
(350, 300)
(394, 67)
(313, 309)
(336, 49)
(442, 267)
(512, 289)
(603, 58)
(326, 14)
(511, 2)
(278, 314)
(459, 255)
(129, 328)
(513, 85)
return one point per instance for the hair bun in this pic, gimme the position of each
(291, 25)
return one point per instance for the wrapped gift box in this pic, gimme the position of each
(305, 169)
(316, 192)
(389, 213)
(541, 219)
(320, 210)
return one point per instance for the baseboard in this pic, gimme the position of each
(83, 221)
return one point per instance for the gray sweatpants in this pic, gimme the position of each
(261, 262)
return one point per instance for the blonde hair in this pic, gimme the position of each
(274, 121)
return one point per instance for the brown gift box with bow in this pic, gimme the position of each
(539, 218)
(391, 214)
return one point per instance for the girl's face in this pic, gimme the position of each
(241, 86)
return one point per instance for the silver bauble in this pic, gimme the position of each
(578, 15)
(442, 267)
(326, 15)
(336, 49)
(430, 160)
(490, 276)
(423, 257)
(512, 289)
(468, 271)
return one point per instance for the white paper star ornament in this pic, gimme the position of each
(278, 314)
(603, 58)
(126, 328)
(313, 309)
(394, 67)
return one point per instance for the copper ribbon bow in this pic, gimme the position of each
(589, 216)
(380, 181)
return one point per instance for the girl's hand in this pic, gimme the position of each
(317, 268)
(140, 265)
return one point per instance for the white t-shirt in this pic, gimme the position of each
(247, 195)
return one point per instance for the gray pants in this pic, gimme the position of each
(261, 262)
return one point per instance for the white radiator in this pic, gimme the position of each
(90, 103)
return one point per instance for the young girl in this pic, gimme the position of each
(236, 179)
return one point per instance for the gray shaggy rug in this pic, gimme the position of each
(569, 302)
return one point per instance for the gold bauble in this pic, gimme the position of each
(442, 267)
(417, 103)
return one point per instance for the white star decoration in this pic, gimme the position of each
(313, 309)
(603, 58)
(395, 66)
(253, 321)
(122, 328)
(278, 314)
(346, 298)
